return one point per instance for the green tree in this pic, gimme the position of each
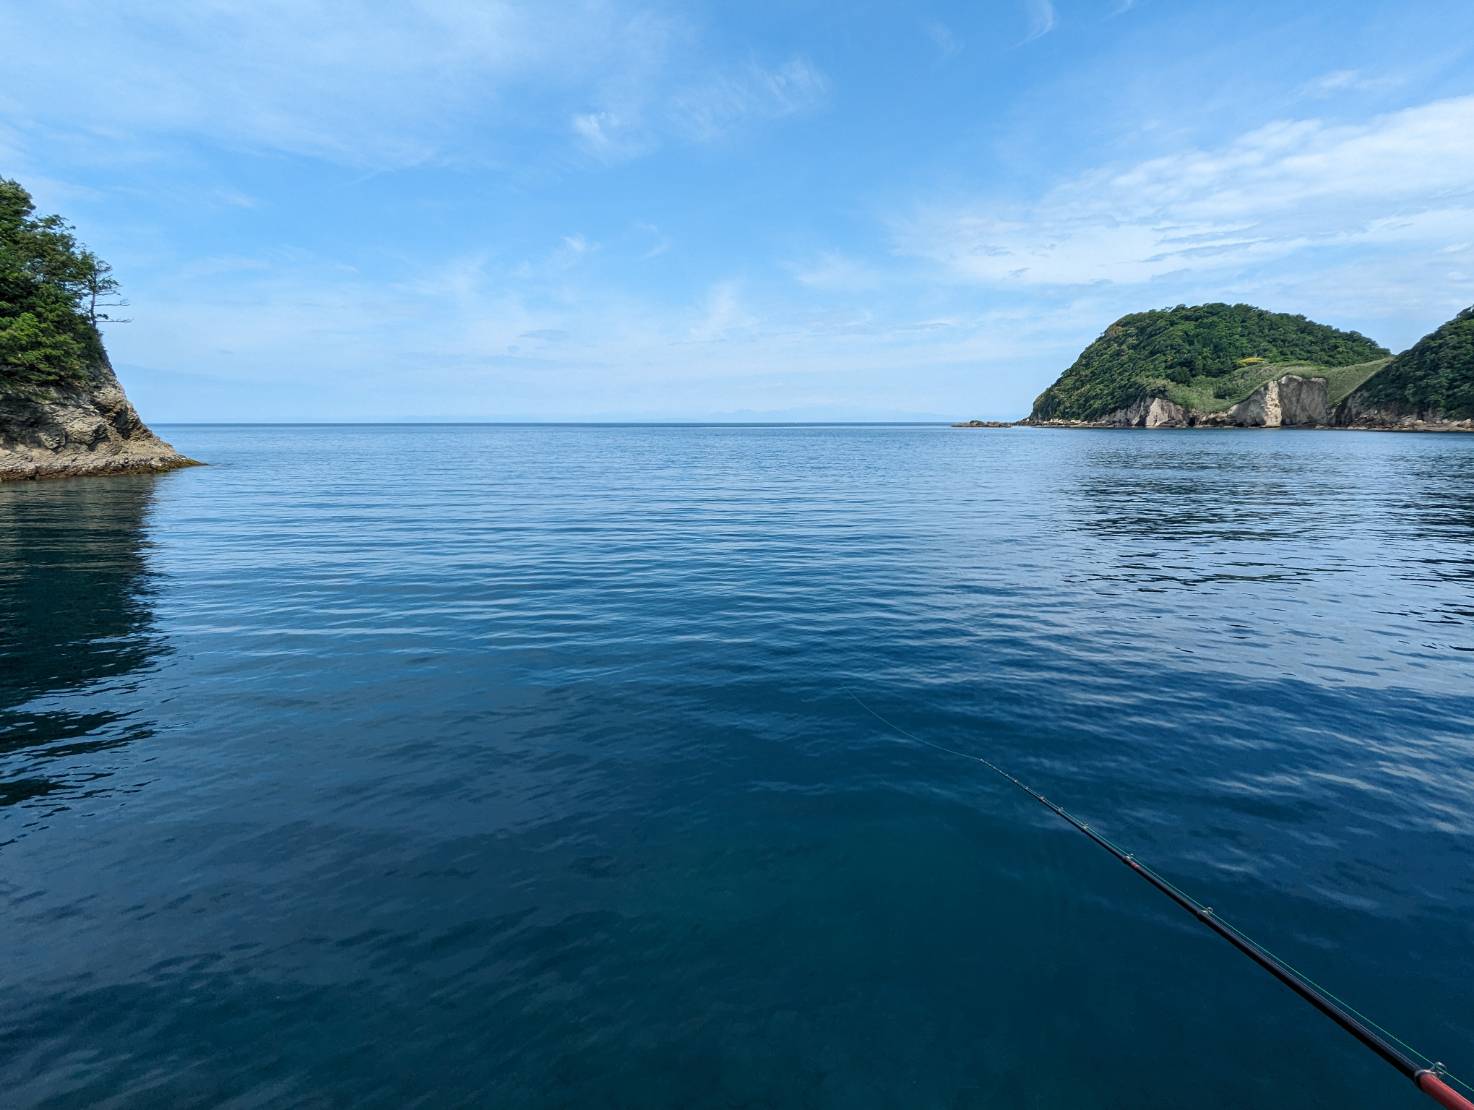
(1434, 377)
(53, 295)
(100, 290)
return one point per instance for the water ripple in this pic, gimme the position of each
(514, 766)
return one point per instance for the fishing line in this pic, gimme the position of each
(1428, 1075)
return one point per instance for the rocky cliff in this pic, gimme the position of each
(1363, 412)
(78, 428)
(1289, 401)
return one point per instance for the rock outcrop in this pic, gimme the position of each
(1287, 402)
(1149, 412)
(1357, 411)
(78, 429)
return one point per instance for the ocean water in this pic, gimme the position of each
(523, 767)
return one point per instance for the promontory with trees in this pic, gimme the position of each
(62, 411)
(1222, 365)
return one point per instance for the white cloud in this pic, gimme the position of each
(709, 109)
(942, 37)
(609, 136)
(704, 109)
(302, 76)
(659, 242)
(721, 313)
(831, 270)
(1405, 179)
(1041, 18)
(1344, 81)
(402, 85)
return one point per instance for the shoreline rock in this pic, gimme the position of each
(1356, 414)
(81, 430)
(1290, 401)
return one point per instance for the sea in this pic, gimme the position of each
(601, 766)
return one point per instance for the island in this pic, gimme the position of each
(1235, 365)
(63, 412)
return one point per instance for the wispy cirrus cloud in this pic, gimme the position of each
(709, 109)
(1041, 18)
(1340, 81)
(1289, 187)
(416, 83)
(722, 314)
(942, 37)
(835, 271)
(703, 110)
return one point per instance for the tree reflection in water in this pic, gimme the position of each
(76, 616)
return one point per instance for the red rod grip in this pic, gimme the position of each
(1441, 1093)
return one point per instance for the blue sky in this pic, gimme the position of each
(445, 209)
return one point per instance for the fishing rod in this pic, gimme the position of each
(1426, 1074)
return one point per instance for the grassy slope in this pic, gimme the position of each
(1343, 380)
(1201, 394)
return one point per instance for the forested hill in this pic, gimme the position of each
(1202, 356)
(1434, 378)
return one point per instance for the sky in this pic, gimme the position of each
(610, 210)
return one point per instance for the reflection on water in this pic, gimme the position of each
(514, 766)
(1437, 504)
(74, 615)
(1192, 510)
(1193, 489)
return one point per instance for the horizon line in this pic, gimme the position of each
(549, 423)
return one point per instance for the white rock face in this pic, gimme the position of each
(1282, 403)
(1285, 402)
(1149, 412)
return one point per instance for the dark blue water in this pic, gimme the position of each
(515, 766)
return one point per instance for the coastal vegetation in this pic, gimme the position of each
(1434, 376)
(63, 412)
(1204, 358)
(54, 293)
(1218, 394)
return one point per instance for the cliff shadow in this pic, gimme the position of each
(76, 614)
